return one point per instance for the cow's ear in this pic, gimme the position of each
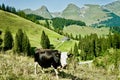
(70, 55)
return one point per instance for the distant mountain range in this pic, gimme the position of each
(91, 14)
(43, 11)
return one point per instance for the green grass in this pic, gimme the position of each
(33, 31)
(14, 67)
(76, 30)
(110, 60)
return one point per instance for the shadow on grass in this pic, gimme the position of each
(70, 76)
(63, 75)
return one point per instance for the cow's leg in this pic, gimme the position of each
(35, 67)
(42, 70)
(56, 72)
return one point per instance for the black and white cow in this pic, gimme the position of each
(48, 57)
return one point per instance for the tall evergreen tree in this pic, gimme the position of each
(71, 36)
(0, 7)
(116, 41)
(26, 45)
(13, 10)
(110, 40)
(0, 37)
(3, 7)
(45, 42)
(80, 37)
(95, 44)
(22, 44)
(8, 8)
(76, 50)
(47, 24)
(18, 41)
(21, 13)
(8, 40)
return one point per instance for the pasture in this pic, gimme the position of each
(16, 67)
(33, 31)
(83, 31)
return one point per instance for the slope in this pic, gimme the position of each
(84, 30)
(90, 13)
(113, 21)
(14, 22)
(93, 14)
(71, 12)
(114, 7)
(43, 11)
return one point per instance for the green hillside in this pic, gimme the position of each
(14, 22)
(90, 13)
(76, 30)
(93, 14)
(114, 7)
(71, 12)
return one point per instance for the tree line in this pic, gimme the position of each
(31, 17)
(92, 46)
(59, 23)
(8, 8)
(21, 44)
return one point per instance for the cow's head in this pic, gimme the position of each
(63, 59)
(56, 56)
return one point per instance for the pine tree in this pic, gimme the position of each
(0, 37)
(0, 7)
(71, 36)
(95, 44)
(18, 41)
(47, 24)
(76, 38)
(3, 7)
(21, 13)
(25, 45)
(116, 41)
(13, 10)
(80, 37)
(8, 40)
(76, 50)
(45, 42)
(22, 44)
(8, 8)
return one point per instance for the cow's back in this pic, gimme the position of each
(47, 57)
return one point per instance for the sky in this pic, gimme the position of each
(52, 5)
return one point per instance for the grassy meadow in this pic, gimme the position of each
(33, 31)
(14, 67)
(76, 30)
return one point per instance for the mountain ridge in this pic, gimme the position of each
(90, 13)
(42, 11)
